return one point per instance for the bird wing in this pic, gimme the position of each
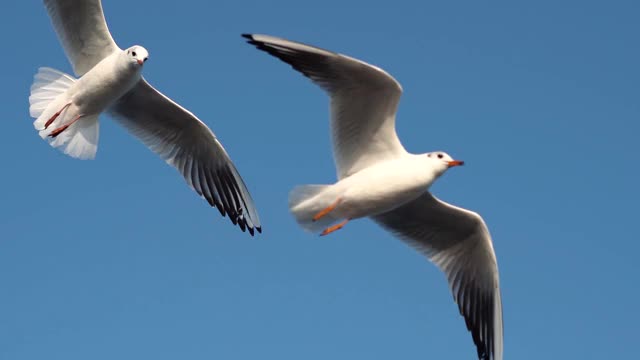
(186, 143)
(364, 99)
(83, 32)
(459, 243)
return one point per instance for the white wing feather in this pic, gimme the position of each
(83, 32)
(364, 100)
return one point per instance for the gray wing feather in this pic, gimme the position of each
(186, 143)
(459, 243)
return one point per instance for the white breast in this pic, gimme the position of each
(105, 83)
(383, 187)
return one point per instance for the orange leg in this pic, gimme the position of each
(62, 128)
(55, 116)
(333, 228)
(324, 212)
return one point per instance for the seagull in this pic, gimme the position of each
(110, 80)
(378, 178)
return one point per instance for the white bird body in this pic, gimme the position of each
(105, 83)
(94, 91)
(376, 189)
(379, 179)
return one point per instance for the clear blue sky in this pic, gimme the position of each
(117, 259)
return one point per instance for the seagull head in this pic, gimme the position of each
(442, 161)
(137, 54)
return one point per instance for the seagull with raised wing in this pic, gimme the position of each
(378, 178)
(110, 80)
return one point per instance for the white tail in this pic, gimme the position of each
(306, 201)
(48, 96)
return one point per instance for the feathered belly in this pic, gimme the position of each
(374, 192)
(102, 86)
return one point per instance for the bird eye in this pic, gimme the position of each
(133, 53)
(145, 59)
(440, 156)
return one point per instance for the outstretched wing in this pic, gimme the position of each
(186, 143)
(458, 242)
(82, 30)
(364, 99)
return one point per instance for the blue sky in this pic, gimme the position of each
(117, 258)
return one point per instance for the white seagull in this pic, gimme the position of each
(110, 80)
(378, 178)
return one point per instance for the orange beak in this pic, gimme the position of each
(455, 163)
(140, 62)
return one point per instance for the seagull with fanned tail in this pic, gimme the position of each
(110, 80)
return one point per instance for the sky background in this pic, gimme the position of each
(117, 258)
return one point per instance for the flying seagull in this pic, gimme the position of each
(110, 80)
(378, 178)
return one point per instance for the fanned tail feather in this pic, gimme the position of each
(48, 85)
(48, 96)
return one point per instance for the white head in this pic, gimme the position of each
(442, 161)
(137, 54)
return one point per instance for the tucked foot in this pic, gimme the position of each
(55, 116)
(325, 211)
(333, 228)
(62, 128)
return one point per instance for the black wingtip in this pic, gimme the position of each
(252, 230)
(243, 224)
(252, 41)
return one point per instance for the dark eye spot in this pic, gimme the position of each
(145, 59)
(440, 156)
(133, 53)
